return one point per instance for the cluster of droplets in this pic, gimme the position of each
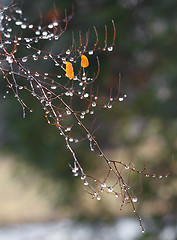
(57, 91)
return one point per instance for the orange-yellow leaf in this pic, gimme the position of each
(84, 61)
(69, 70)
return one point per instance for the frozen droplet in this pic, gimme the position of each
(30, 26)
(121, 99)
(68, 51)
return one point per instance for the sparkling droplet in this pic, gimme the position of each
(98, 198)
(18, 23)
(110, 49)
(93, 104)
(126, 167)
(121, 99)
(90, 52)
(134, 199)
(103, 185)
(85, 183)
(9, 59)
(110, 189)
(83, 177)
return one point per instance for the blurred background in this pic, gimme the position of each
(36, 184)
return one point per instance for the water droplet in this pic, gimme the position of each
(93, 104)
(85, 183)
(90, 52)
(103, 185)
(23, 26)
(98, 198)
(110, 189)
(110, 49)
(83, 177)
(55, 23)
(50, 26)
(127, 167)
(86, 95)
(19, 11)
(9, 59)
(37, 32)
(18, 23)
(134, 199)
(53, 87)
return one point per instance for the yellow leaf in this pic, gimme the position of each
(84, 61)
(69, 70)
